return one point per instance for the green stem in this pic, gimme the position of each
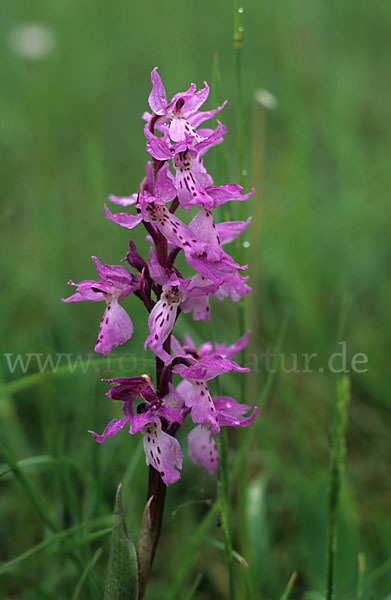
(241, 172)
(223, 487)
(224, 492)
(237, 42)
(337, 455)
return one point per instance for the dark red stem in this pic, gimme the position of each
(151, 526)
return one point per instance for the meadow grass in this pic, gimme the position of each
(70, 134)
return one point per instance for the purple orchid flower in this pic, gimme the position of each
(202, 448)
(195, 392)
(162, 450)
(182, 112)
(185, 294)
(116, 283)
(175, 180)
(208, 348)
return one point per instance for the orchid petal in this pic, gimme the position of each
(111, 429)
(202, 448)
(115, 329)
(124, 219)
(163, 452)
(157, 99)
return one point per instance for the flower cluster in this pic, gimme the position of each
(176, 178)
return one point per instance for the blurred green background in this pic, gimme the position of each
(70, 134)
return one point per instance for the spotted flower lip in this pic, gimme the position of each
(162, 318)
(202, 448)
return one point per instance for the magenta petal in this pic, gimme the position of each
(204, 228)
(208, 367)
(192, 103)
(86, 290)
(117, 274)
(124, 219)
(111, 429)
(162, 318)
(211, 138)
(163, 452)
(173, 398)
(229, 230)
(183, 97)
(157, 147)
(127, 388)
(230, 412)
(157, 272)
(201, 116)
(173, 229)
(226, 193)
(178, 129)
(164, 188)
(229, 351)
(115, 329)
(157, 98)
(139, 421)
(138, 381)
(202, 448)
(124, 200)
(234, 286)
(173, 415)
(199, 305)
(203, 411)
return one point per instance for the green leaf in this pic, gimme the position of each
(88, 568)
(145, 547)
(313, 595)
(122, 575)
(289, 586)
(58, 537)
(38, 503)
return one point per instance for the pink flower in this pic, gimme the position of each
(116, 283)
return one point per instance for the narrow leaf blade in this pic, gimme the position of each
(122, 575)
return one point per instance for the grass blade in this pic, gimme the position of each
(53, 539)
(224, 500)
(34, 379)
(89, 566)
(40, 506)
(337, 456)
(289, 586)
